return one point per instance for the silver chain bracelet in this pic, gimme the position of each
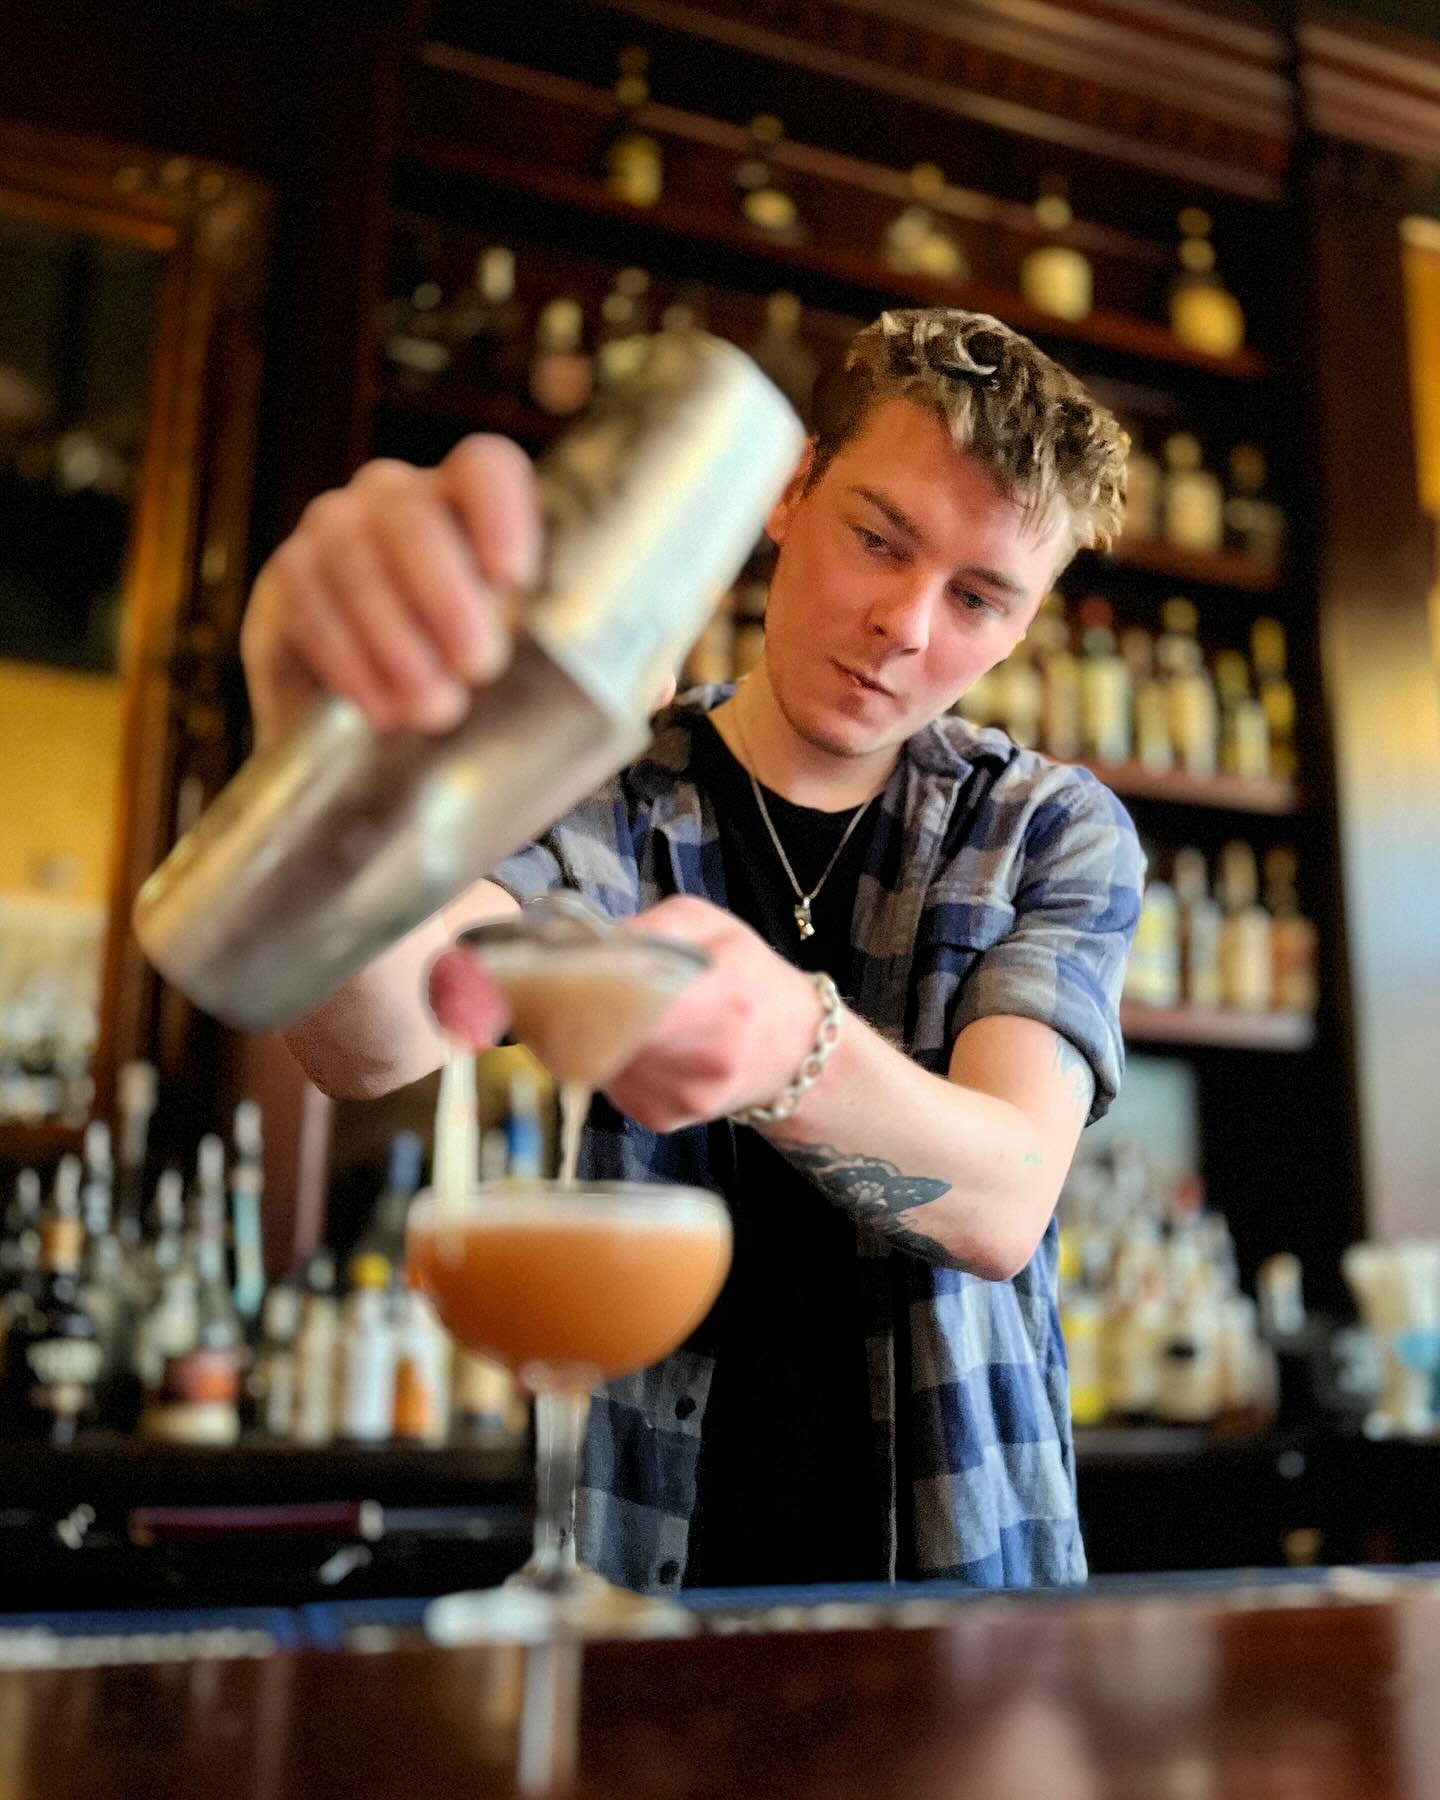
(811, 1069)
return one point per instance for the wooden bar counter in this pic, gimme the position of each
(1329, 1692)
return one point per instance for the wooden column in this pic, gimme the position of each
(1377, 118)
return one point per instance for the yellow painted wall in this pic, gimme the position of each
(59, 770)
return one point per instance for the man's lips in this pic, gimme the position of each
(868, 682)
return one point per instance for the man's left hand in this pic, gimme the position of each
(733, 1038)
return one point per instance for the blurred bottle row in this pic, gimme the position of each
(1156, 1324)
(1208, 944)
(1080, 686)
(49, 999)
(560, 348)
(151, 1311)
(934, 233)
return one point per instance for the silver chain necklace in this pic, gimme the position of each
(803, 921)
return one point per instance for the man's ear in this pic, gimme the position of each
(777, 524)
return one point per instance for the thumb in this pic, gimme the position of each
(465, 1001)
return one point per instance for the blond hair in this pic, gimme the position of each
(1047, 444)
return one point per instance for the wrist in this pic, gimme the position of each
(820, 1044)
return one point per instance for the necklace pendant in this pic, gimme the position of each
(802, 919)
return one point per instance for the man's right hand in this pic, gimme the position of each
(393, 591)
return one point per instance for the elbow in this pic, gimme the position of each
(338, 1081)
(1001, 1255)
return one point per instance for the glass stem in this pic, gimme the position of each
(560, 1418)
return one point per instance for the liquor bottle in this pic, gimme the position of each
(53, 1356)
(168, 1322)
(1021, 697)
(1254, 524)
(1060, 676)
(1294, 940)
(486, 321)
(916, 242)
(384, 1233)
(270, 1387)
(1154, 748)
(135, 1090)
(1194, 712)
(1104, 685)
(562, 375)
(1189, 1390)
(422, 1354)
(247, 1185)
(712, 656)
(524, 1134)
(20, 1243)
(749, 597)
(1277, 697)
(107, 1287)
(1152, 974)
(1203, 312)
(632, 162)
(415, 338)
(200, 1387)
(1193, 503)
(619, 342)
(366, 1408)
(1142, 492)
(1246, 952)
(317, 1347)
(1200, 927)
(764, 199)
(780, 351)
(1056, 277)
(1244, 734)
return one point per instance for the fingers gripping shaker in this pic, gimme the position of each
(337, 841)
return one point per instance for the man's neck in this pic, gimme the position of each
(757, 732)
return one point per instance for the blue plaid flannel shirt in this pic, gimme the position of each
(995, 882)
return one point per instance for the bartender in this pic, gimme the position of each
(917, 935)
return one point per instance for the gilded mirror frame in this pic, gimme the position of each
(184, 576)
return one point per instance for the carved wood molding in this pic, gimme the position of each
(1370, 86)
(1145, 81)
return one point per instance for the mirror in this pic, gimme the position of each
(130, 287)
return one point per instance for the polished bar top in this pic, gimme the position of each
(1321, 1694)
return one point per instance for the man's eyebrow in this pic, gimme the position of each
(902, 522)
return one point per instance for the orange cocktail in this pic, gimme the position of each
(599, 1280)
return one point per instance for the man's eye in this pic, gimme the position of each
(972, 602)
(872, 541)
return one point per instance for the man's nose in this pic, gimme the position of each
(904, 613)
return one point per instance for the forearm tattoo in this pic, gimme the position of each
(873, 1192)
(1081, 1076)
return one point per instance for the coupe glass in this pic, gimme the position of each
(568, 1287)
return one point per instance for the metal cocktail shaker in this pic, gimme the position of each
(331, 845)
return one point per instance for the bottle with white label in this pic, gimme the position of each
(367, 1355)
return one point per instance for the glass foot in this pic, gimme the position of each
(584, 1605)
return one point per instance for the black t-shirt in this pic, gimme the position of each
(787, 1482)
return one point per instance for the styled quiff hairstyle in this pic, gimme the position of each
(1048, 446)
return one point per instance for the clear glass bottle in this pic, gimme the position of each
(1060, 676)
(916, 241)
(54, 1361)
(1204, 314)
(632, 161)
(247, 1187)
(486, 323)
(366, 1411)
(1105, 700)
(764, 198)
(1200, 927)
(1276, 695)
(1194, 711)
(1295, 942)
(562, 373)
(317, 1351)
(1193, 504)
(1254, 523)
(1143, 482)
(271, 1387)
(1246, 948)
(1056, 277)
(1021, 697)
(782, 353)
(1152, 974)
(1244, 733)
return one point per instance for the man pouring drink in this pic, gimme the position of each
(915, 936)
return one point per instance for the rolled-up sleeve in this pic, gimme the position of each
(1077, 903)
(534, 869)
